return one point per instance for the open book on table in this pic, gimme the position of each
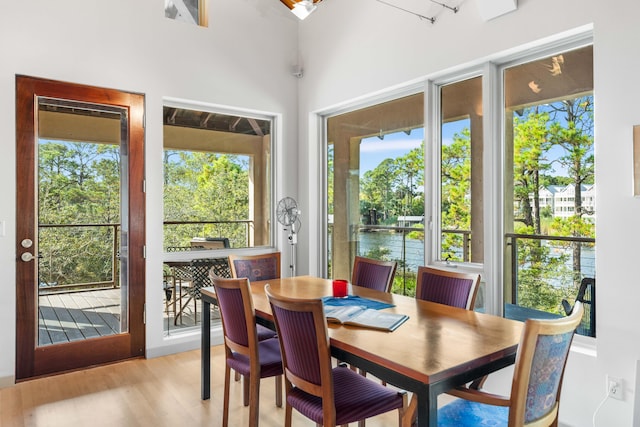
(365, 317)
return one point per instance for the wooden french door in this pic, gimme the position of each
(55, 121)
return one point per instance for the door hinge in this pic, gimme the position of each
(144, 313)
(144, 252)
(144, 185)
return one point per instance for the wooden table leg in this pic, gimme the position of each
(205, 351)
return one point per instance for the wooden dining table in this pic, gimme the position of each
(439, 347)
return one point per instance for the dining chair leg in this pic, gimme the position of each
(254, 400)
(403, 412)
(225, 410)
(278, 391)
(245, 389)
(409, 417)
(287, 415)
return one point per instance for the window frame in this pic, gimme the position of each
(271, 189)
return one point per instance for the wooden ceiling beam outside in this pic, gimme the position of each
(256, 128)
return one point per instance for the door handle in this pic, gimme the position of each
(27, 256)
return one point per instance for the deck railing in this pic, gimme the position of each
(562, 275)
(77, 257)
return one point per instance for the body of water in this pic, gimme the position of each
(410, 249)
(413, 250)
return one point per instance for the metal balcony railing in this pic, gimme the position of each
(561, 273)
(76, 257)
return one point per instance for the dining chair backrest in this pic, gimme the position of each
(536, 385)
(452, 288)
(329, 396)
(373, 273)
(237, 313)
(304, 343)
(540, 365)
(255, 267)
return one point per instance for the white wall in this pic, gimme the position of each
(243, 59)
(353, 49)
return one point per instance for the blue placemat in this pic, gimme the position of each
(356, 300)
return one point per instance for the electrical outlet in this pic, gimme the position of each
(615, 388)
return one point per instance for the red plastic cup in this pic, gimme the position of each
(340, 288)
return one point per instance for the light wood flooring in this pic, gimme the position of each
(163, 391)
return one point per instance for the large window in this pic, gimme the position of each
(217, 196)
(550, 184)
(421, 193)
(376, 188)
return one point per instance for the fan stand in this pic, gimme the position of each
(287, 213)
(293, 240)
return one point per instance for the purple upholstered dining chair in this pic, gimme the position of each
(537, 381)
(447, 287)
(255, 267)
(244, 354)
(328, 396)
(373, 273)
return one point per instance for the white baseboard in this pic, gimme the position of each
(183, 342)
(7, 381)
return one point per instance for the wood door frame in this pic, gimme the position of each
(31, 360)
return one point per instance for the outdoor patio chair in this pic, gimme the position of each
(198, 273)
(587, 296)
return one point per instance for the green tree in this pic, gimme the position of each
(576, 138)
(377, 187)
(544, 276)
(204, 186)
(455, 193)
(530, 147)
(79, 183)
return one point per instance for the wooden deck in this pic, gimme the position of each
(72, 316)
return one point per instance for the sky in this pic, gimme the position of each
(373, 150)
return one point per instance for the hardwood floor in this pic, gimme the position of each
(164, 391)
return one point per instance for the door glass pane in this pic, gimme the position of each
(375, 188)
(550, 184)
(81, 291)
